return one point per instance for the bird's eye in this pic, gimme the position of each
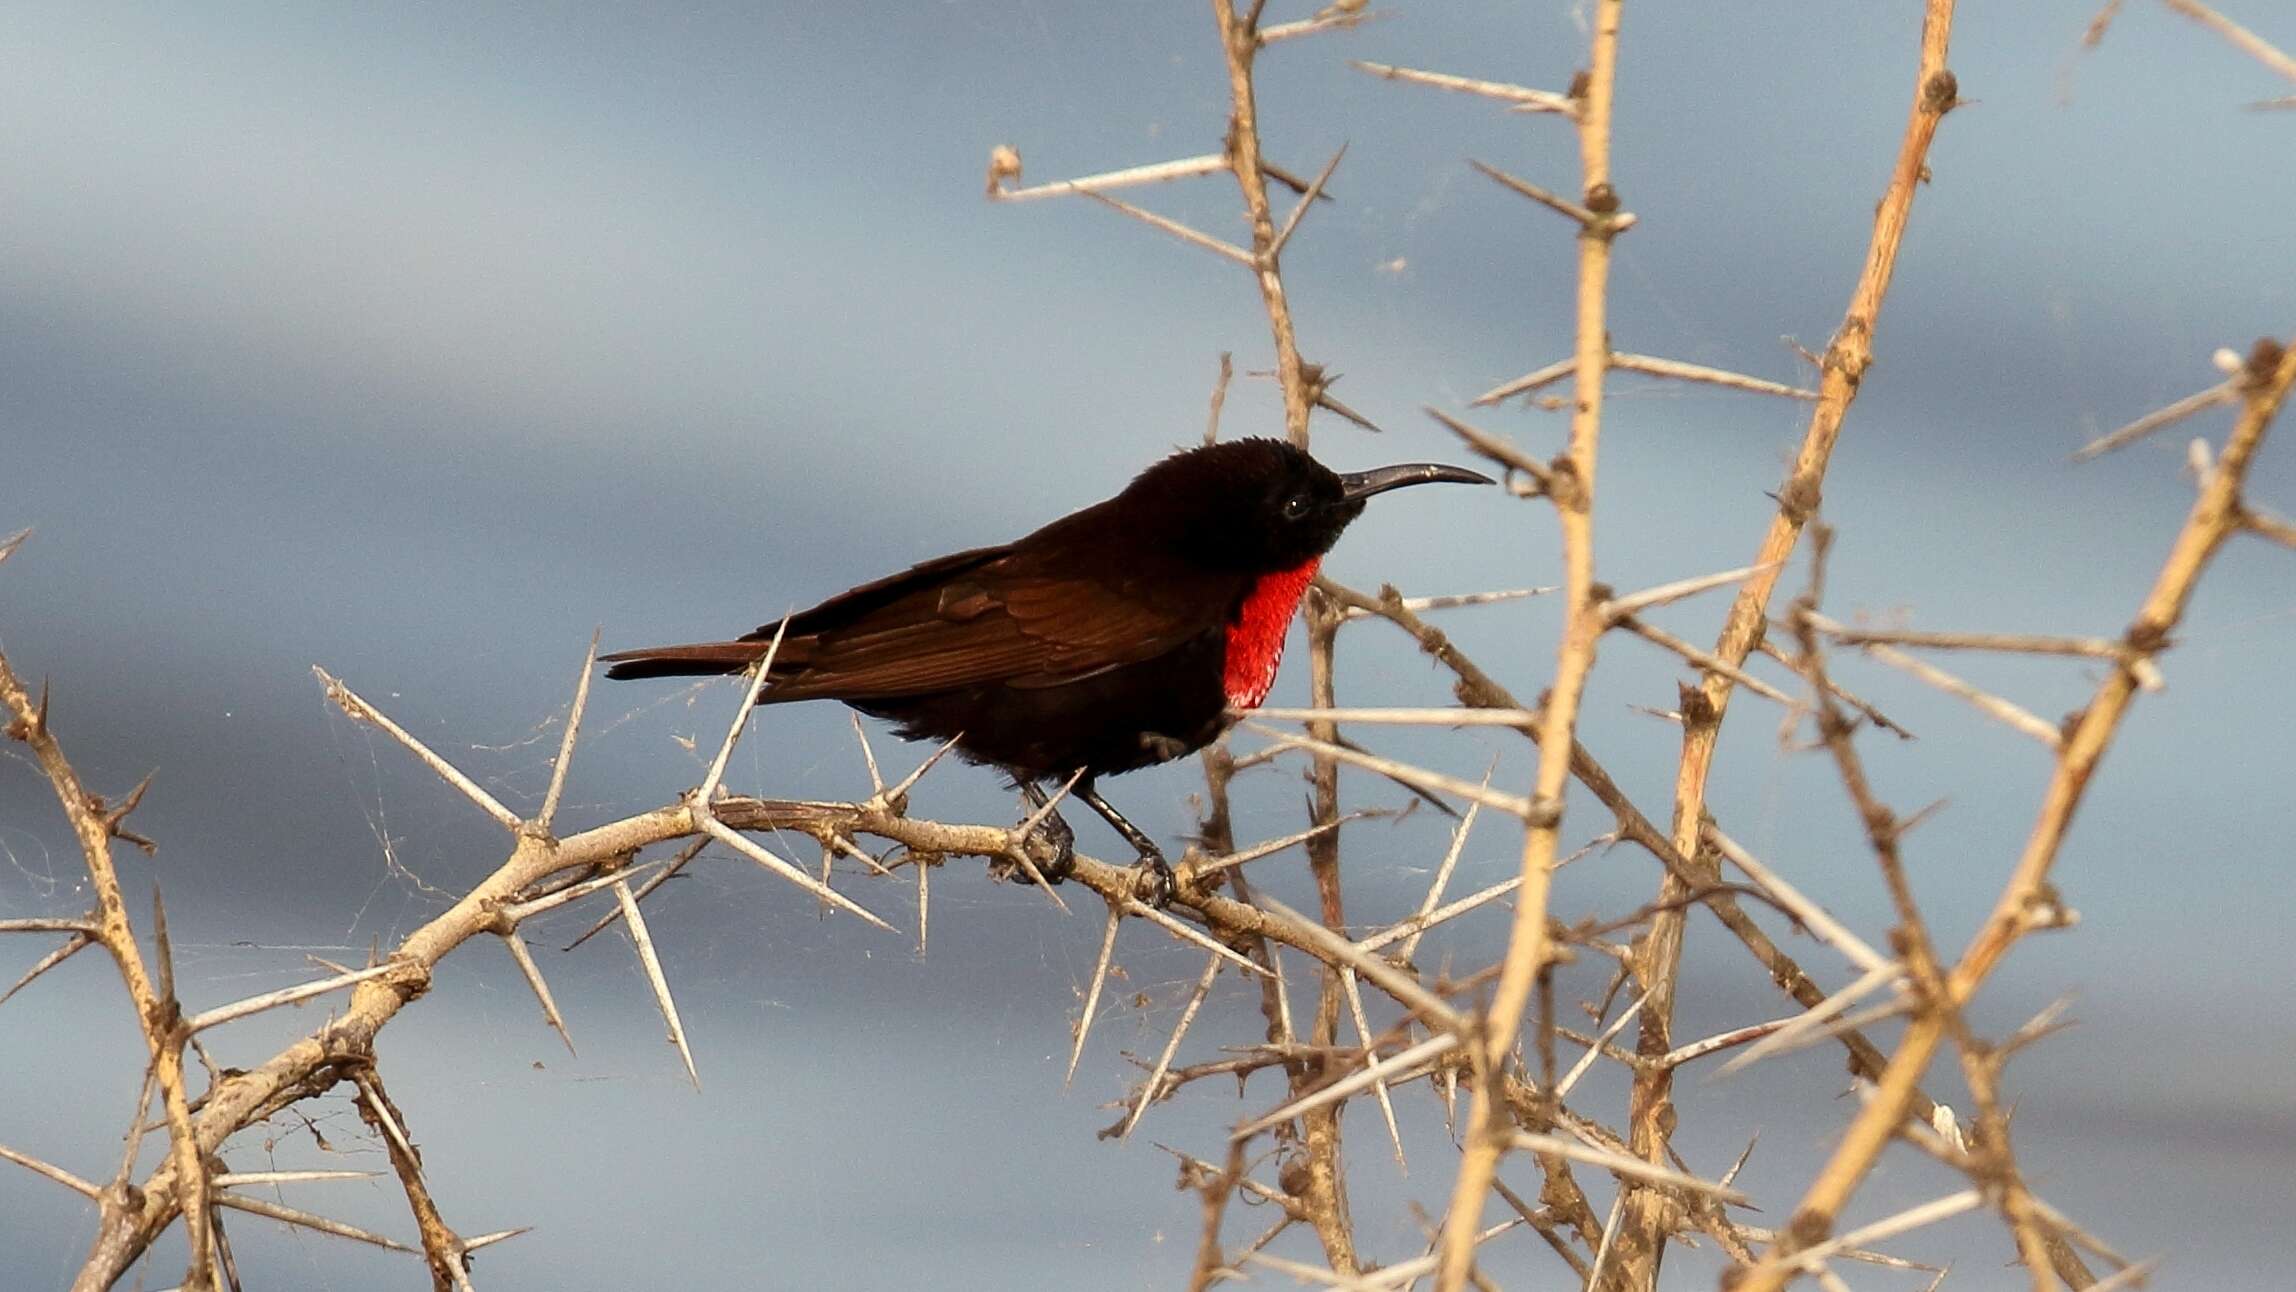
(1296, 506)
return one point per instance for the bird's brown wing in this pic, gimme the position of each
(1008, 616)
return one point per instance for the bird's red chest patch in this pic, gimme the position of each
(1256, 638)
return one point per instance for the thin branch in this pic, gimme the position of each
(295, 995)
(2244, 40)
(1520, 96)
(351, 703)
(1618, 608)
(2222, 393)
(318, 1224)
(1092, 996)
(2025, 903)
(1133, 176)
(1306, 200)
(565, 759)
(1376, 1071)
(1172, 1046)
(26, 1160)
(1651, 366)
(1178, 230)
(1559, 205)
(533, 972)
(643, 940)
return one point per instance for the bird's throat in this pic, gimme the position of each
(1256, 637)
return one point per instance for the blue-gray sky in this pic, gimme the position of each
(418, 343)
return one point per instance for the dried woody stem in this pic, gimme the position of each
(1322, 1189)
(1572, 491)
(159, 1016)
(2027, 902)
(1648, 1215)
(526, 883)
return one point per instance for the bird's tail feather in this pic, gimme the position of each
(702, 659)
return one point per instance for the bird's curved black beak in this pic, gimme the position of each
(1357, 485)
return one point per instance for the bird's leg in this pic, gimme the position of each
(1151, 857)
(1054, 831)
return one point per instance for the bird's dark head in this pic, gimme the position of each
(1263, 506)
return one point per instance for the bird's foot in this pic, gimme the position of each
(1152, 880)
(1051, 848)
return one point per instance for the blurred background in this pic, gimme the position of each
(420, 343)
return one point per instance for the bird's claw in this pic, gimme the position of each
(1152, 880)
(1052, 847)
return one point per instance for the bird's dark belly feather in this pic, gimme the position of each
(1108, 721)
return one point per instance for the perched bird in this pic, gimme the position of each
(1116, 637)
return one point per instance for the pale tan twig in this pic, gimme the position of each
(1134, 906)
(1890, 1226)
(1520, 96)
(1617, 608)
(245, 1179)
(70, 947)
(1202, 867)
(1417, 925)
(519, 912)
(1536, 379)
(1572, 492)
(1154, 173)
(2222, 393)
(1364, 1037)
(1559, 205)
(1172, 1046)
(1625, 1165)
(1442, 877)
(1586, 1061)
(35, 1165)
(1652, 366)
(1498, 449)
(1226, 250)
(2024, 903)
(1219, 397)
(924, 906)
(1401, 717)
(498, 1236)
(2063, 1224)
(643, 939)
(295, 995)
(1512, 804)
(1091, 996)
(533, 972)
(1842, 693)
(1431, 1008)
(1335, 17)
(2269, 526)
(565, 759)
(2246, 41)
(1376, 1071)
(706, 819)
(1794, 1030)
(759, 672)
(1812, 916)
(48, 924)
(2007, 712)
(319, 1224)
(1306, 200)
(1720, 1041)
(351, 703)
(2010, 643)
(900, 792)
(1702, 659)
(2134, 1276)
(1849, 354)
